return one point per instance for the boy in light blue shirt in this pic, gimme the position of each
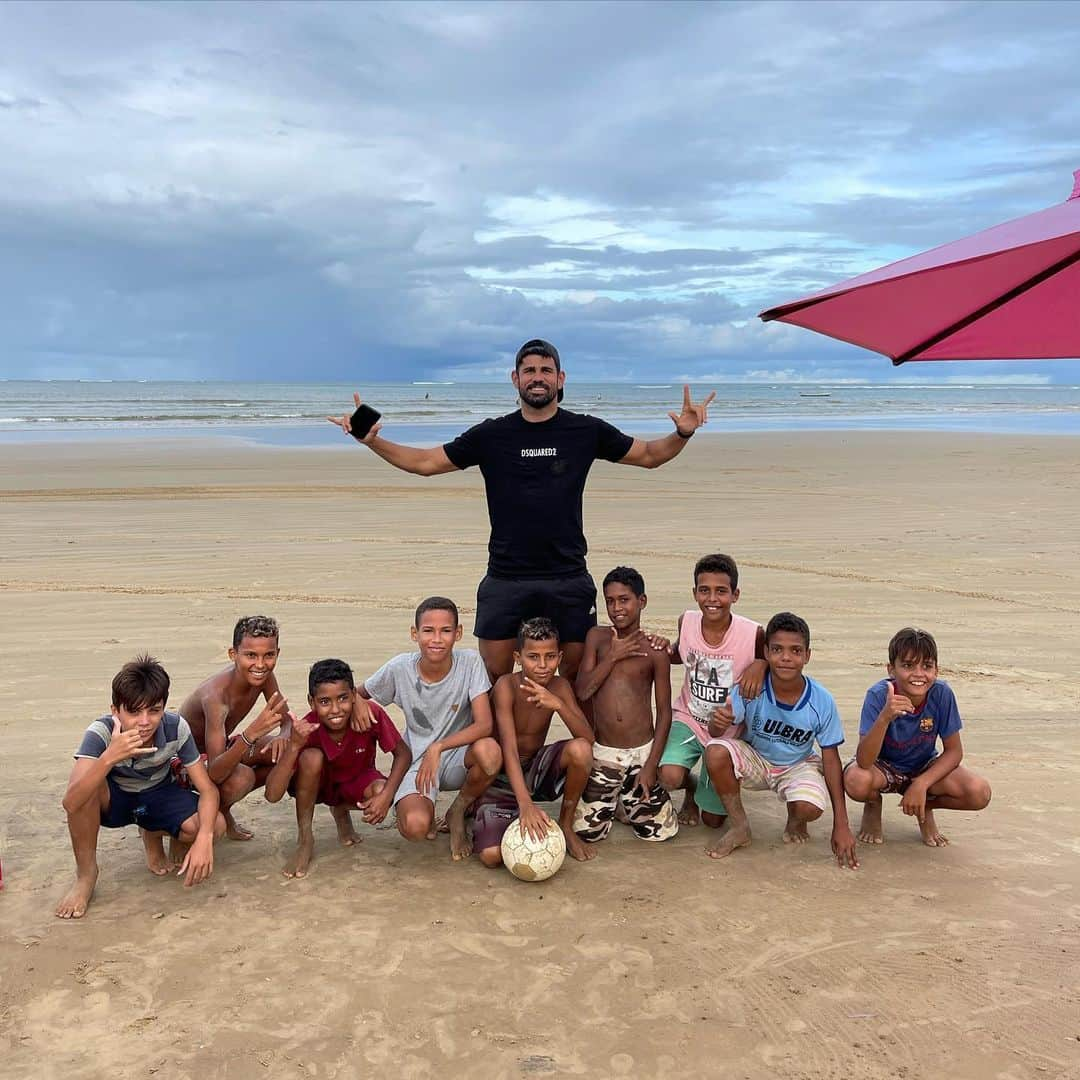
(768, 743)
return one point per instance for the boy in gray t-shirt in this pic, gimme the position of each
(448, 724)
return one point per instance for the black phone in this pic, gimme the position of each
(362, 421)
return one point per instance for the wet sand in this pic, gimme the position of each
(647, 962)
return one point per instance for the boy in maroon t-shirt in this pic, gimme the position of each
(330, 758)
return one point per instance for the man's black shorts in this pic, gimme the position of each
(503, 605)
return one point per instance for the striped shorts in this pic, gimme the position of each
(801, 782)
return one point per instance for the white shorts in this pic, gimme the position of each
(801, 782)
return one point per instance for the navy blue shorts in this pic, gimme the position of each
(503, 605)
(159, 809)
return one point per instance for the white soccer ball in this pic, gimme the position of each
(529, 859)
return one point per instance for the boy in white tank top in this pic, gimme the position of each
(719, 649)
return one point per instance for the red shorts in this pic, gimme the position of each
(351, 792)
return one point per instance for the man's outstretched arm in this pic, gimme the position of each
(423, 462)
(655, 452)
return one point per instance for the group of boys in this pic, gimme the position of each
(746, 711)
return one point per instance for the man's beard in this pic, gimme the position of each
(531, 396)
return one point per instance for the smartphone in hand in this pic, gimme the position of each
(362, 421)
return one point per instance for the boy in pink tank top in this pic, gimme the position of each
(719, 649)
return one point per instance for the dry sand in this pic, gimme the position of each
(649, 962)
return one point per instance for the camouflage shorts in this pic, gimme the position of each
(613, 781)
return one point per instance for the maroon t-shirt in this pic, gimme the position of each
(355, 754)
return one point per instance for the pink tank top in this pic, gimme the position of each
(711, 670)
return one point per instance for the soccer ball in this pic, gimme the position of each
(529, 859)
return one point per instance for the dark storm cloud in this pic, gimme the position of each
(338, 190)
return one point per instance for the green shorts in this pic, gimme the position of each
(684, 750)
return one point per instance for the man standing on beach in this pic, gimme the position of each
(535, 463)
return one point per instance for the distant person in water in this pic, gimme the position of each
(535, 463)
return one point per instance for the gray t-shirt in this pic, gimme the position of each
(432, 710)
(172, 739)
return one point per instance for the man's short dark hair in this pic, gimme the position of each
(254, 626)
(539, 347)
(436, 603)
(912, 643)
(791, 623)
(717, 564)
(140, 684)
(328, 671)
(537, 629)
(628, 576)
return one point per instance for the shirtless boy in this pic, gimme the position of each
(331, 761)
(618, 673)
(903, 717)
(239, 762)
(123, 776)
(525, 702)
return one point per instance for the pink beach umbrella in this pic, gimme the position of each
(1009, 293)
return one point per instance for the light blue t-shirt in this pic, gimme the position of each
(784, 734)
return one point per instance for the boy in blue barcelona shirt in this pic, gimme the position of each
(771, 743)
(902, 719)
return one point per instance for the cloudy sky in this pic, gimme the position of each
(410, 190)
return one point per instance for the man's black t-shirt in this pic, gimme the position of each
(535, 477)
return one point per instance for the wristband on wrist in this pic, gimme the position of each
(247, 742)
(682, 436)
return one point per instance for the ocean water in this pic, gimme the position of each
(294, 414)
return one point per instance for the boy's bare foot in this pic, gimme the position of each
(177, 850)
(299, 863)
(731, 838)
(795, 832)
(930, 835)
(576, 848)
(870, 829)
(439, 826)
(157, 862)
(460, 843)
(346, 834)
(689, 814)
(77, 899)
(233, 829)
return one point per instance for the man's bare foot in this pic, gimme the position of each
(689, 814)
(576, 848)
(731, 838)
(795, 832)
(346, 834)
(77, 899)
(460, 843)
(870, 831)
(298, 864)
(439, 826)
(233, 829)
(930, 835)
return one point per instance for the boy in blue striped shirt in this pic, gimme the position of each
(123, 776)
